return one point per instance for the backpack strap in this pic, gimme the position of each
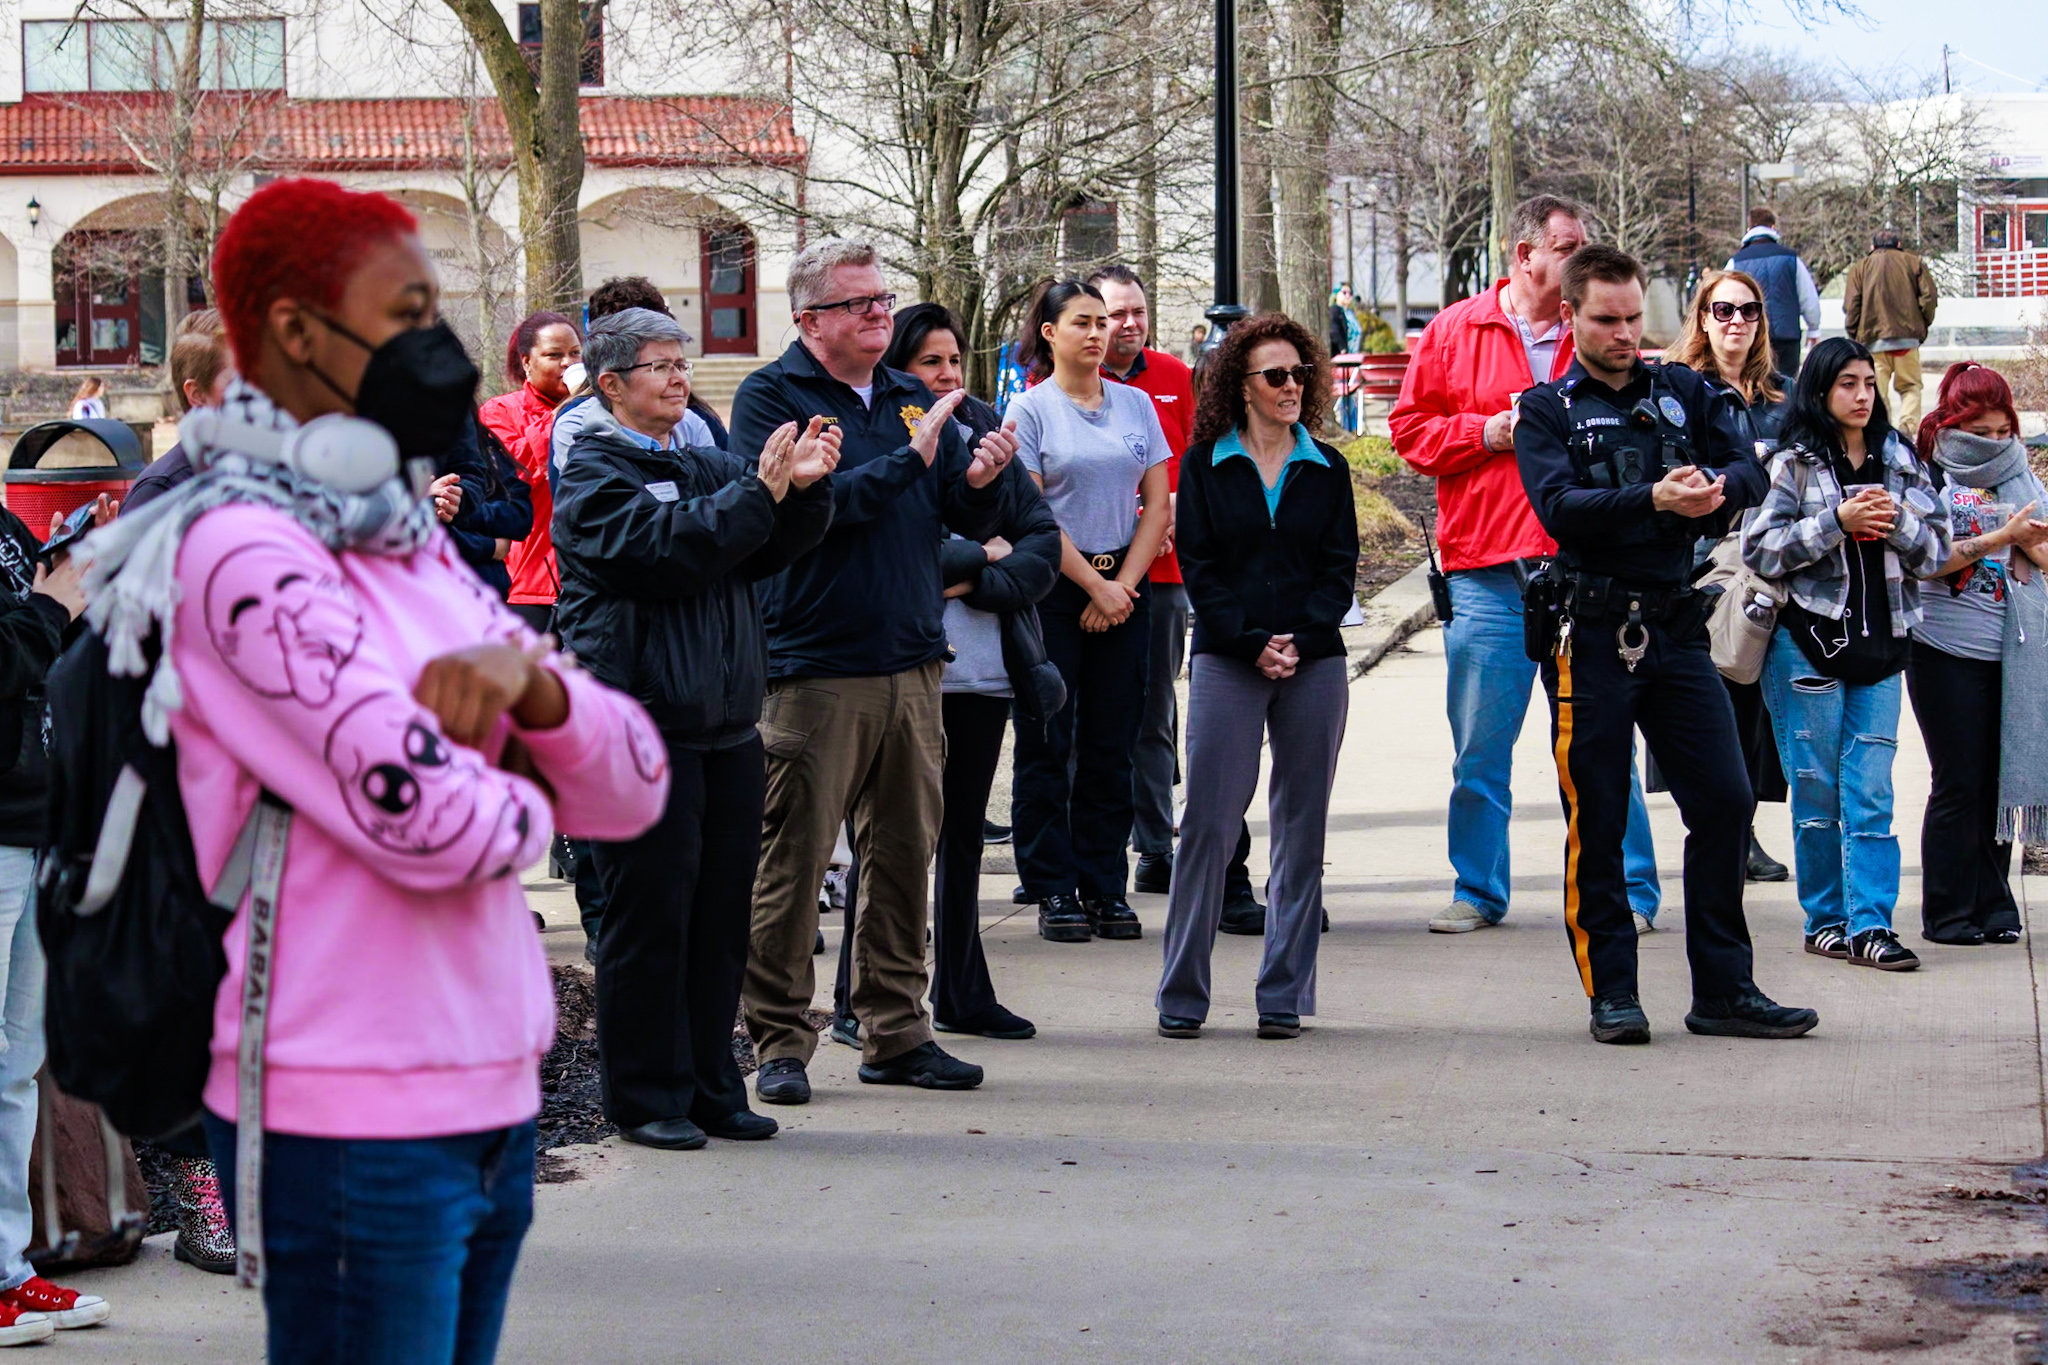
(262, 871)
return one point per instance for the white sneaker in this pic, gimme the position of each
(1644, 925)
(1459, 917)
(24, 1329)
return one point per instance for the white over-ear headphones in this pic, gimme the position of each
(346, 453)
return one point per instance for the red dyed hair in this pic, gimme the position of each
(299, 239)
(1968, 391)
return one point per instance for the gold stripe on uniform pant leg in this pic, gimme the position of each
(1580, 942)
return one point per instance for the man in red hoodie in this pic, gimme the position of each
(1455, 421)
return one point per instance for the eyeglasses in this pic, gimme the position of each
(860, 305)
(664, 370)
(1278, 376)
(1723, 311)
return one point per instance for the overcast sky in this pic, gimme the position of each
(2011, 35)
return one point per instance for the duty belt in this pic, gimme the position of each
(1595, 599)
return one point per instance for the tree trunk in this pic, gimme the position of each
(546, 134)
(1260, 265)
(1504, 81)
(177, 180)
(1314, 31)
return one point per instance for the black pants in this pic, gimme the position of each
(1676, 698)
(1965, 874)
(1785, 351)
(673, 949)
(961, 987)
(1071, 821)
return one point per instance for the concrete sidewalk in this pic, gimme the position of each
(1443, 1168)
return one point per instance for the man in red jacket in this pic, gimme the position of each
(1455, 421)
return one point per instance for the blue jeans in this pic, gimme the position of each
(21, 966)
(1491, 679)
(387, 1252)
(1837, 740)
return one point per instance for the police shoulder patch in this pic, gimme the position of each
(1673, 410)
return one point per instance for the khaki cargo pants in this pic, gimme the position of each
(1898, 372)
(873, 748)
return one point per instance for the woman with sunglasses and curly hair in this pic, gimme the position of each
(1726, 337)
(1268, 541)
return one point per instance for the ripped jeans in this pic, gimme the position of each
(1837, 740)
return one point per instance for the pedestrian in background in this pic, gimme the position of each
(1888, 303)
(1979, 669)
(200, 371)
(1097, 451)
(1852, 562)
(1783, 285)
(331, 649)
(1269, 544)
(537, 359)
(88, 401)
(1455, 422)
(660, 546)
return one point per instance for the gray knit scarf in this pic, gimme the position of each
(1978, 462)
(130, 576)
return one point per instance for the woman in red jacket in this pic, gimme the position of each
(542, 349)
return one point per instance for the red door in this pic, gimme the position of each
(99, 304)
(728, 282)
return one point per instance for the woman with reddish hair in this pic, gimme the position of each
(398, 746)
(1979, 671)
(537, 359)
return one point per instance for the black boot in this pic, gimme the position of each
(1112, 917)
(1762, 866)
(1062, 920)
(1749, 1014)
(1620, 1019)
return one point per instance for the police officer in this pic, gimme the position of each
(1627, 466)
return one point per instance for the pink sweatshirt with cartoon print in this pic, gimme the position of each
(410, 993)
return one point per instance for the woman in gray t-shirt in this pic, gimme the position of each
(1098, 452)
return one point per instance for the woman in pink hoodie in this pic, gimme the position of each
(325, 644)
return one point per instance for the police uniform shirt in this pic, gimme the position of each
(1617, 531)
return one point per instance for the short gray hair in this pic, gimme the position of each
(1530, 222)
(810, 274)
(615, 341)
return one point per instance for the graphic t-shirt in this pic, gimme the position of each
(1090, 462)
(1964, 614)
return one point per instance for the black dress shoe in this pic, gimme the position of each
(993, 833)
(2001, 936)
(1279, 1026)
(1019, 896)
(846, 1029)
(669, 1135)
(1176, 1026)
(1326, 921)
(1112, 917)
(818, 944)
(1062, 920)
(1967, 937)
(1762, 866)
(1751, 1014)
(924, 1066)
(993, 1022)
(742, 1125)
(783, 1081)
(1620, 1019)
(1154, 876)
(1242, 913)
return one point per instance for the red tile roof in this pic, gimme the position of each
(112, 134)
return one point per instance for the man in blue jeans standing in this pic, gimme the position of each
(1455, 422)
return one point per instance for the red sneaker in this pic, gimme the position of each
(63, 1308)
(18, 1328)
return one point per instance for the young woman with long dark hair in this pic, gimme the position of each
(1851, 524)
(1268, 538)
(1726, 337)
(1097, 451)
(1979, 673)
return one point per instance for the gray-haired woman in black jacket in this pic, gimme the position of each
(660, 546)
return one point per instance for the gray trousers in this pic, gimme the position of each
(1155, 762)
(1231, 707)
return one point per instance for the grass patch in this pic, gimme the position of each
(1381, 525)
(1373, 455)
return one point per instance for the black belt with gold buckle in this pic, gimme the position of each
(1109, 561)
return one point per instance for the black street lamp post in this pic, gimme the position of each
(1226, 310)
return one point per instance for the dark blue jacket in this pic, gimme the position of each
(867, 602)
(1775, 266)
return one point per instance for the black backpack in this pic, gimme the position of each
(132, 937)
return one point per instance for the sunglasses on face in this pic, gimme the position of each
(1724, 311)
(1278, 376)
(861, 305)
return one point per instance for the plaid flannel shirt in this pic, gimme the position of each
(1796, 537)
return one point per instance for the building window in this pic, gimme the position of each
(592, 71)
(2035, 229)
(1088, 232)
(1994, 230)
(125, 55)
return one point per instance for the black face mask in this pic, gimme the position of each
(420, 386)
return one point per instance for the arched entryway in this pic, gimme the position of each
(108, 282)
(695, 250)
